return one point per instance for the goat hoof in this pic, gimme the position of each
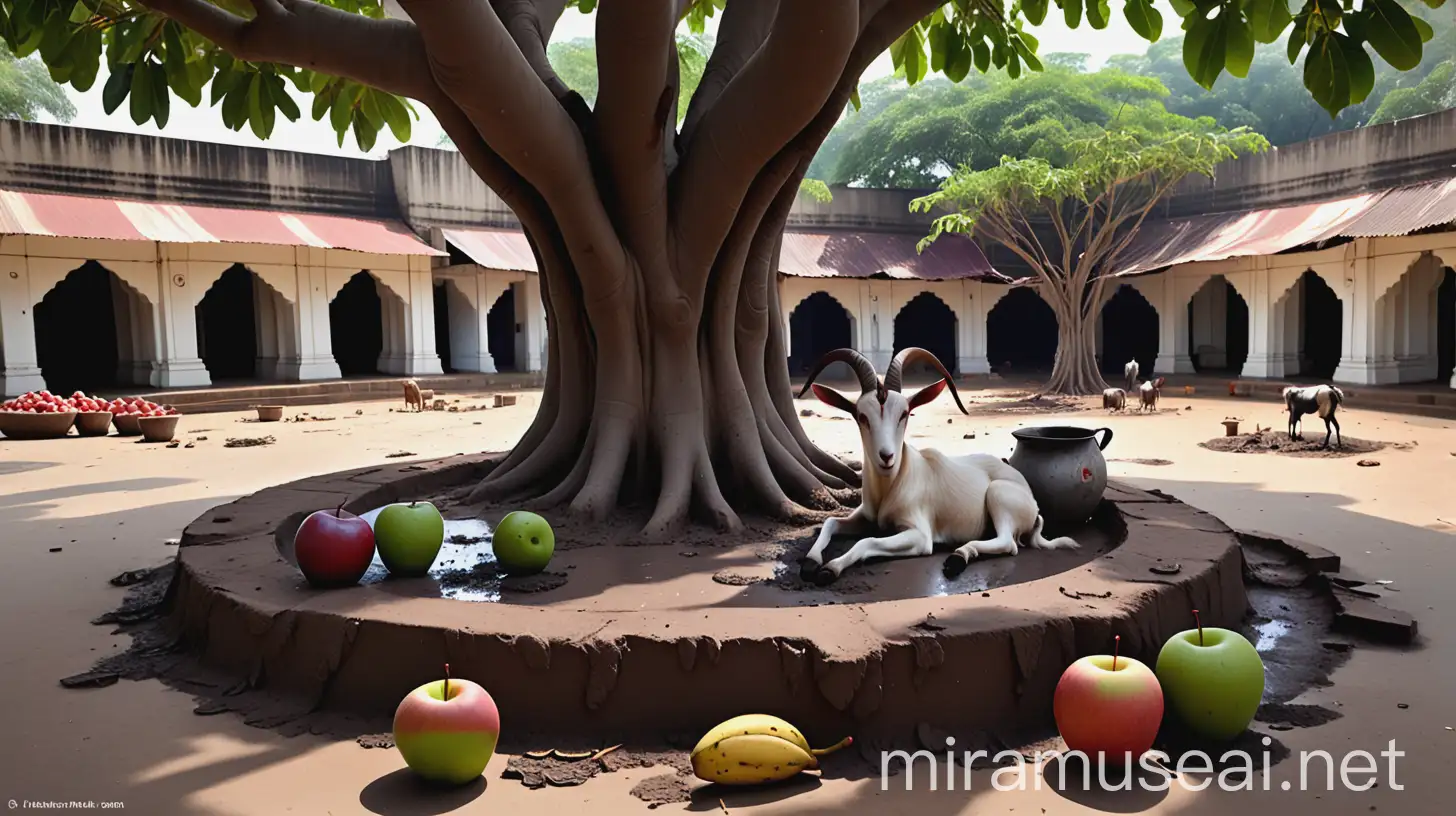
(825, 577)
(808, 569)
(955, 564)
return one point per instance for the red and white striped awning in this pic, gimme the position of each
(494, 247)
(64, 216)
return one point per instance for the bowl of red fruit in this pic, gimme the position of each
(93, 415)
(128, 412)
(37, 415)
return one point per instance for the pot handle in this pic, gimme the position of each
(1106, 440)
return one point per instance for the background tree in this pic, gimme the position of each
(26, 90)
(919, 139)
(656, 243)
(1090, 211)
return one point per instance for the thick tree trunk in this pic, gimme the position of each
(1075, 372)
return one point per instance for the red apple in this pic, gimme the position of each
(1108, 707)
(333, 548)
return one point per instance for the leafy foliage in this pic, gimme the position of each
(936, 127)
(575, 61)
(26, 90)
(149, 58)
(1070, 224)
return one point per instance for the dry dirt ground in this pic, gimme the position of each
(74, 513)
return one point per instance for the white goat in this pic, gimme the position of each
(915, 499)
(1316, 399)
(1148, 394)
(1114, 399)
(1130, 375)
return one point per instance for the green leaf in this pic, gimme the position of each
(1239, 53)
(1389, 30)
(981, 56)
(1072, 13)
(343, 110)
(321, 103)
(87, 60)
(1203, 51)
(1035, 11)
(1297, 38)
(235, 104)
(854, 97)
(396, 116)
(958, 64)
(161, 100)
(1268, 18)
(80, 13)
(118, 85)
(260, 109)
(1144, 19)
(317, 82)
(223, 82)
(1098, 13)
(278, 92)
(940, 35)
(1326, 74)
(1427, 33)
(364, 133)
(1027, 55)
(141, 93)
(1361, 68)
(1182, 8)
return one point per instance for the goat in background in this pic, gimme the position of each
(1114, 399)
(1129, 376)
(1148, 394)
(914, 499)
(413, 399)
(1316, 399)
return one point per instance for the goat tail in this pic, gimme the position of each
(1040, 543)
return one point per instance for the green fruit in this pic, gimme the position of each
(523, 543)
(1212, 680)
(409, 537)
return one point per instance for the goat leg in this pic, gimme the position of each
(903, 544)
(1339, 440)
(856, 523)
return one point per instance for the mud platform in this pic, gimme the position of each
(627, 641)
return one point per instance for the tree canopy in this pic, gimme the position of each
(918, 140)
(26, 90)
(1069, 224)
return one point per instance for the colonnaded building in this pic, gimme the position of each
(140, 261)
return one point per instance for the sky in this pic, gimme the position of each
(204, 123)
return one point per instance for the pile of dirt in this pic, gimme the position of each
(1312, 446)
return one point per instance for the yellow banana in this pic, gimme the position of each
(753, 749)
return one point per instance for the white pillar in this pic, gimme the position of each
(177, 364)
(975, 303)
(1368, 331)
(530, 324)
(19, 371)
(313, 357)
(1172, 306)
(265, 330)
(417, 318)
(1266, 326)
(878, 333)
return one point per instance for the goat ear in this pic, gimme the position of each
(833, 398)
(927, 394)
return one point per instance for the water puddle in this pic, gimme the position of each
(465, 568)
(1270, 632)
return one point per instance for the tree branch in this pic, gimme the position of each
(530, 23)
(745, 26)
(317, 37)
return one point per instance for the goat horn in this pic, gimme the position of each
(920, 355)
(869, 381)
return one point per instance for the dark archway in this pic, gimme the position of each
(227, 327)
(442, 326)
(927, 322)
(500, 330)
(819, 324)
(1446, 326)
(76, 331)
(1021, 333)
(1129, 332)
(356, 326)
(1230, 355)
(1320, 325)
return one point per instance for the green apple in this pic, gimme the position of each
(523, 543)
(409, 537)
(1213, 680)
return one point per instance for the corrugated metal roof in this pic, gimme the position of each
(26, 213)
(1405, 210)
(863, 255)
(494, 248)
(804, 254)
(1385, 213)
